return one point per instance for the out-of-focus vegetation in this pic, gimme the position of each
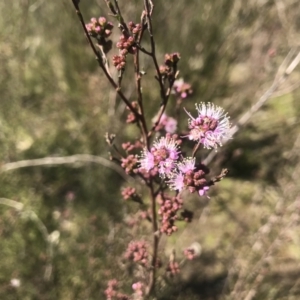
(55, 102)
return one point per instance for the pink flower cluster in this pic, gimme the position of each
(179, 174)
(137, 252)
(209, 128)
(168, 213)
(99, 28)
(187, 176)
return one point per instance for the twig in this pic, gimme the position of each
(153, 48)
(48, 161)
(152, 279)
(138, 79)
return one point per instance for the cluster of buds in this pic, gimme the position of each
(128, 147)
(168, 213)
(99, 29)
(168, 70)
(119, 61)
(134, 28)
(111, 292)
(173, 268)
(166, 123)
(131, 117)
(127, 41)
(137, 252)
(130, 193)
(182, 89)
(172, 59)
(129, 163)
(126, 45)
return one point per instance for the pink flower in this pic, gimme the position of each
(138, 288)
(186, 175)
(177, 179)
(170, 125)
(182, 89)
(203, 191)
(176, 182)
(167, 123)
(163, 154)
(211, 127)
(187, 164)
(147, 161)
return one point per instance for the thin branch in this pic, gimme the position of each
(121, 19)
(164, 103)
(52, 161)
(142, 49)
(283, 73)
(153, 48)
(152, 279)
(138, 79)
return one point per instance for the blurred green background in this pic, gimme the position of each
(55, 102)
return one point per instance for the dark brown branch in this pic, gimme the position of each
(153, 48)
(152, 279)
(138, 79)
